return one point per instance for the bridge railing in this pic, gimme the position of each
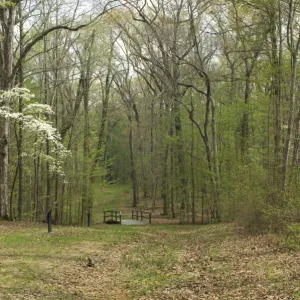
(113, 215)
(141, 215)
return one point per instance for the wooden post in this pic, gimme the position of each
(150, 214)
(89, 219)
(49, 218)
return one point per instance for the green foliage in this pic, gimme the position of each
(292, 236)
(151, 62)
(8, 4)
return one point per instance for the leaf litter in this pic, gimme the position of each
(156, 262)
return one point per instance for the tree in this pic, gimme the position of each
(8, 71)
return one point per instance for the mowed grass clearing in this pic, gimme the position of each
(147, 262)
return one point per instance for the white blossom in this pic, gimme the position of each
(16, 92)
(31, 122)
(37, 108)
(5, 112)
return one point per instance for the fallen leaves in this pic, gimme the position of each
(234, 268)
(155, 262)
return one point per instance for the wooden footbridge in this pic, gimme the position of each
(138, 217)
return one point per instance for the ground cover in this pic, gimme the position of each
(146, 262)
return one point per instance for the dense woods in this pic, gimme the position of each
(194, 104)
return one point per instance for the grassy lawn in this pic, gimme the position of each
(110, 197)
(147, 262)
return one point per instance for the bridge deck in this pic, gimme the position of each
(132, 222)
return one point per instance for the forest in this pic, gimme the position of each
(191, 103)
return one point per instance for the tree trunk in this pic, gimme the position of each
(20, 138)
(102, 135)
(7, 19)
(276, 61)
(133, 169)
(193, 176)
(296, 140)
(290, 122)
(46, 101)
(85, 177)
(164, 187)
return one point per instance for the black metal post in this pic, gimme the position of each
(49, 218)
(89, 219)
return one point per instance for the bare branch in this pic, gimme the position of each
(41, 35)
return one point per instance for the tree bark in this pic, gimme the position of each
(135, 195)
(7, 19)
(20, 137)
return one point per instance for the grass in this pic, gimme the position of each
(146, 262)
(31, 257)
(109, 197)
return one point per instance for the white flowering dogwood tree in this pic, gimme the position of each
(34, 123)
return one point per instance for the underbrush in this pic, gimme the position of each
(292, 236)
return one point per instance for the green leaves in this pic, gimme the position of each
(8, 4)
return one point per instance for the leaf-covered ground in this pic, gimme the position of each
(147, 262)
